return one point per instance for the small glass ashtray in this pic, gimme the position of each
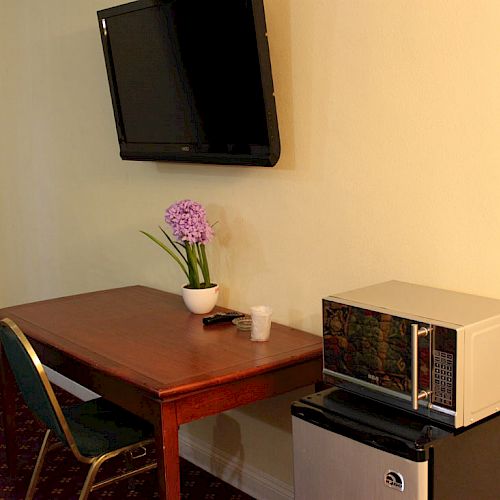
(244, 324)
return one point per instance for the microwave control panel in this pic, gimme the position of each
(442, 378)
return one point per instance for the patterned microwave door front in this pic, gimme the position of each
(375, 348)
(371, 346)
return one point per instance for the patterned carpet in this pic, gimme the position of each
(62, 476)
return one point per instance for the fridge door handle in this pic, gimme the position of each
(416, 332)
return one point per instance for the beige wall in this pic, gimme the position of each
(390, 123)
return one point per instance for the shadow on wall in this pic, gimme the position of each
(237, 240)
(227, 437)
(275, 411)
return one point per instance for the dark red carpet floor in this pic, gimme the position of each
(62, 476)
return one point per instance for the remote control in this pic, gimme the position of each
(221, 318)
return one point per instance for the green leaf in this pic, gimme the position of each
(204, 264)
(169, 251)
(192, 265)
(174, 244)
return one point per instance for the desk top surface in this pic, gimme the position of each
(148, 338)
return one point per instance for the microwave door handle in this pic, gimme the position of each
(416, 332)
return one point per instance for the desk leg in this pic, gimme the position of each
(167, 453)
(8, 390)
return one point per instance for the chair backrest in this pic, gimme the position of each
(33, 381)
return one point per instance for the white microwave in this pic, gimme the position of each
(431, 351)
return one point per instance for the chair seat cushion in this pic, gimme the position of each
(100, 426)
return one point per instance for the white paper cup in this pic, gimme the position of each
(261, 323)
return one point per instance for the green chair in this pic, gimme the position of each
(95, 430)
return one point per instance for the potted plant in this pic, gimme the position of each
(191, 232)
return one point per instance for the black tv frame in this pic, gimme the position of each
(176, 152)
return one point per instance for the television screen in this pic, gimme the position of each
(191, 81)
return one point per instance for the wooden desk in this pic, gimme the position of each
(142, 349)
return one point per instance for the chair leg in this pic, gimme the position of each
(130, 465)
(89, 480)
(38, 466)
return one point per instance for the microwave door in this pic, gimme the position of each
(376, 351)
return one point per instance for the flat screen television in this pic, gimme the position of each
(191, 81)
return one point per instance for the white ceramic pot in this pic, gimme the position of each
(200, 300)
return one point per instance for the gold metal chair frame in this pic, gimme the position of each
(94, 462)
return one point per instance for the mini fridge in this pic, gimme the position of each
(348, 447)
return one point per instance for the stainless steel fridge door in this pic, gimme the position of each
(329, 466)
